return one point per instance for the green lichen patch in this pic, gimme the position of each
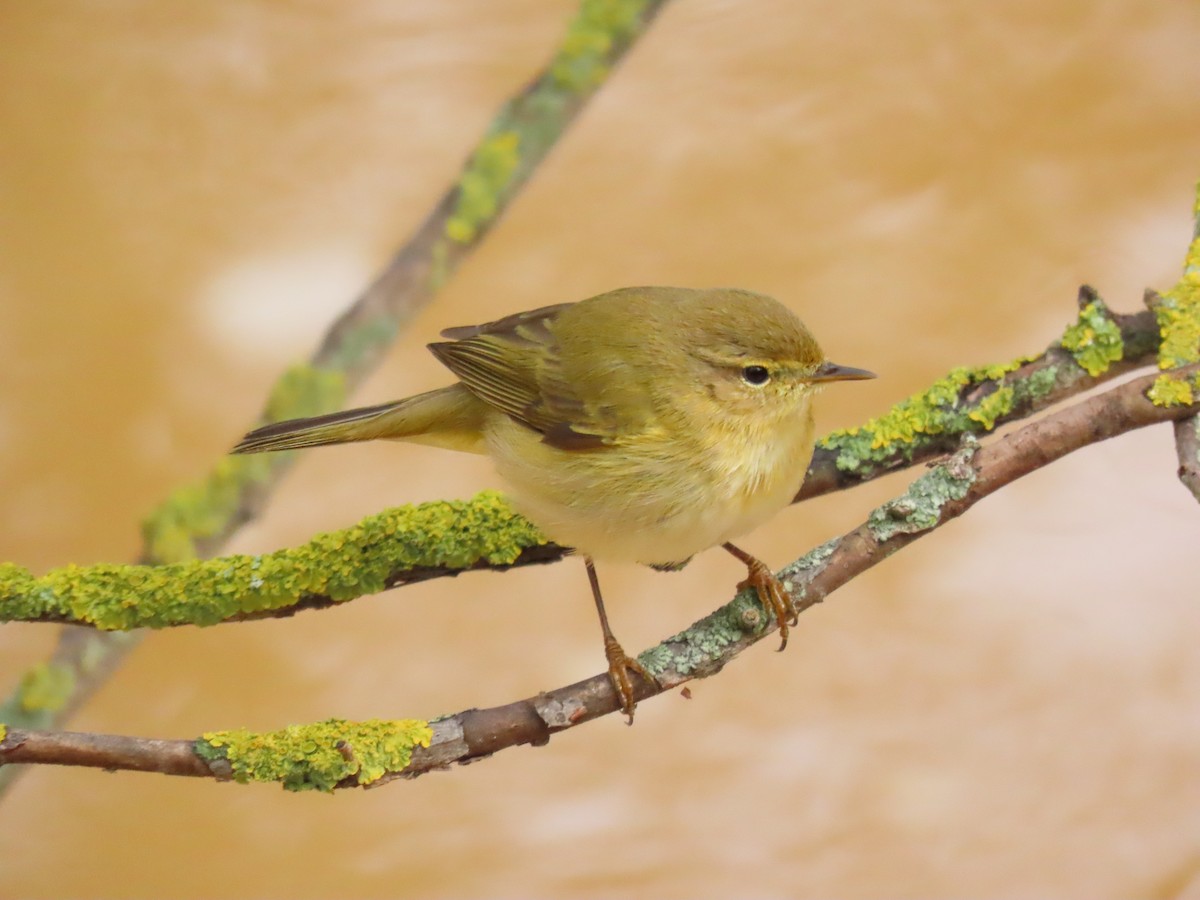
(205, 509)
(358, 342)
(1037, 385)
(482, 186)
(319, 756)
(201, 510)
(305, 390)
(938, 412)
(920, 507)
(592, 39)
(1094, 339)
(341, 565)
(698, 647)
(797, 575)
(46, 688)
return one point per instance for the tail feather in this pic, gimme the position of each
(315, 431)
(449, 417)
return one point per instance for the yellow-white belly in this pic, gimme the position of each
(644, 504)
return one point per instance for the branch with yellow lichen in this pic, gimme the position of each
(338, 754)
(1178, 313)
(410, 544)
(198, 519)
(1098, 346)
(395, 547)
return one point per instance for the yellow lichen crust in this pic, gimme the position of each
(1178, 314)
(21, 597)
(602, 25)
(46, 688)
(482, 185)
(1168, 390)
(939, 411)
(1094, 339)
(993, 406)
(204, 509)
(319, 756)
(341, 565)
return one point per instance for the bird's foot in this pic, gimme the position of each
(619, 667)
(772, 595)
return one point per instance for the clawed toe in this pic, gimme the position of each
(772, 595)
(619, 667)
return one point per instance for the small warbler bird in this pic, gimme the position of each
(644, 425)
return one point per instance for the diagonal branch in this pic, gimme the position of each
(938, 496)
(1099, 346)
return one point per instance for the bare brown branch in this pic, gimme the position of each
(1187, 448)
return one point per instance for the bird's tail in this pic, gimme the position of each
(448, 417)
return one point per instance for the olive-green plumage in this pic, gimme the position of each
(645, 424)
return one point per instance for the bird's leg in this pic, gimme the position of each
(771, 592)
(619, 664)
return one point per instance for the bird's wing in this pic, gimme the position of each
(515, 364)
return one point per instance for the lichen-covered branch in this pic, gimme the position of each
(196, 520)
(1178, 313)
(321, 756)
(398, 546)
(411, 544)
(337, 754)
(1098, 346)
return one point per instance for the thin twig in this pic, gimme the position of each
(1187, 448)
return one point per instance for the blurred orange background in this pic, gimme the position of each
(190, 192)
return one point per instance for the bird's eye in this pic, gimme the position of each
(756, 375)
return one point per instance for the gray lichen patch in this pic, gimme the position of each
(920, 507)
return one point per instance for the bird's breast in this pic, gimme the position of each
(659, 498)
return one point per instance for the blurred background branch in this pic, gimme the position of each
(197, 520)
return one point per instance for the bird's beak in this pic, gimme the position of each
(828, 371)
